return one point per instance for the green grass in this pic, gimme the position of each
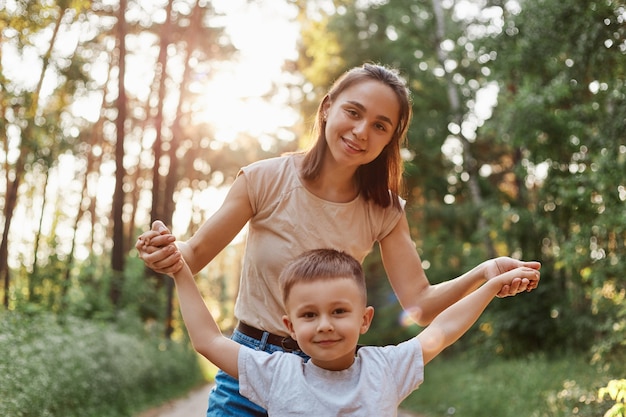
(464, 386)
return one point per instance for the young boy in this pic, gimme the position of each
(324, 296)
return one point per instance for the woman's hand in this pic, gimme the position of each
(157, 249)
(497, 266)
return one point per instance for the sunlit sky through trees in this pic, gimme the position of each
(266, 35)
(231, 99)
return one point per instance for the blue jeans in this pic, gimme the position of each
(224, 399)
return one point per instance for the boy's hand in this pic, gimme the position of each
(503, 264)
(157, 249)
(518, 277)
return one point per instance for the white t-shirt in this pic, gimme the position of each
(374, 386)
(289, 220)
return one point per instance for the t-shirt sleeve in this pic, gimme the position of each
(390, 219)
(251, 173)
(265, 179)
(256, 374)
(407, 362)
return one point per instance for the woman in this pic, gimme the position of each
(343, 193)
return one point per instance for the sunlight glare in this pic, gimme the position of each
(236, 100)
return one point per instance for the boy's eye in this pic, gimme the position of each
(308, 315)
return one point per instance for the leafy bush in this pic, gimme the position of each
(63, 366)
(616, 391)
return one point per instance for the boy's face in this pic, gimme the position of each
(326, 317)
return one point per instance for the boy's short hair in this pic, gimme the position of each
(321, 264)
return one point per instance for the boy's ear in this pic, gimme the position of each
(368, 315)
(289, 325)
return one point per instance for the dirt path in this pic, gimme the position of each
(195, 404)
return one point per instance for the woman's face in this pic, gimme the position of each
(360, 122)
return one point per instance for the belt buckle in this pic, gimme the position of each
(289, 344)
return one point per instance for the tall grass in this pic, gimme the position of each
(464, 386)
(51, 367)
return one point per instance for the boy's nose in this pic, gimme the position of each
(324, 324)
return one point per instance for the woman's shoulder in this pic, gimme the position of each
(274, 164)
(270, 178)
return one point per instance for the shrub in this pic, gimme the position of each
(63, 366)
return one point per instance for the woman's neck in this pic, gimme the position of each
(336, 184)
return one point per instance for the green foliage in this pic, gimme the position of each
(82, 291)
(560, 115)
(616, 391)
(63, 366)
(529, 386)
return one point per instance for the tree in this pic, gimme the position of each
(35, 139)
(477, 189)
(560, 67)
(104, 127)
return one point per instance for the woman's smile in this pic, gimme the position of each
(352, 146)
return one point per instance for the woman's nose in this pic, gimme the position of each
(359, 130)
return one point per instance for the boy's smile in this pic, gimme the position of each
(326, 317)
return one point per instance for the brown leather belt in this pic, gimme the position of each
(286, 342)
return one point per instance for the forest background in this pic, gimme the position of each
(517, 148)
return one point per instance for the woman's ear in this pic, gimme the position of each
(325, 106)
(368, 315)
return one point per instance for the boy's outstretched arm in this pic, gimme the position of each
(455, 320)
(206, 337)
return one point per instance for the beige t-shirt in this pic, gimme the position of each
(288, 220)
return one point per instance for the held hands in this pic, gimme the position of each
(522, 282)
(157, 249)
(524, 274)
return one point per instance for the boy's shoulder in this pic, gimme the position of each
(253, 361)
(269, 356)
(400, 355)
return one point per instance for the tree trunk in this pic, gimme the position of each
(164, 195)
(10, 201)
(34, 277)
(157, 188)
(117, 258)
